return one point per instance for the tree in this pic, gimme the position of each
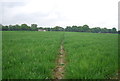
(80, 29)
(11, 28)
(1, 27)
(68, 28)
(96, 30)
(34, 27)
(85, 28)
(104, 30)
(58, 28)
(24, 27)
(17, 27)
(118, 31)
(4, 28)
(75, 28)
(114, 30)
(47, 29)
(109, 30)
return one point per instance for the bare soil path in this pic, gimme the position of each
(59, 69)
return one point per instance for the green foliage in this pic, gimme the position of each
(24, 27)
(68, 28)
(1, 26)
(0, 55)
(119, 31)
(57, 28)
(34, 27)
(5, 28)
(114, 30)
(29, 55)
(32, 55)
(84, 28)
(96, 30)
(91, 55)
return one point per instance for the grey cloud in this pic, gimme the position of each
(24, 18)
(37, 17)
(56, 15)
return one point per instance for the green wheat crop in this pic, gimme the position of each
(29, 55)
(91, 56)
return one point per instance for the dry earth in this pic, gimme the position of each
(59, 69)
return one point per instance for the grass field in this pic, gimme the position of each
(91, 56)
(29, 54)
(0, 55)
(32, 55)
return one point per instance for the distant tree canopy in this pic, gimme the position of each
(33, 27)
(119, 31)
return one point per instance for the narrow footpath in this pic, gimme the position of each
(59, 69)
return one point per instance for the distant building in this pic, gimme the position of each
(41, 30)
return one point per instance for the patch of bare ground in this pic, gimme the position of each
(59, 69)
(116, 76)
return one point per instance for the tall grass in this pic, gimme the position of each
(91, 56)
(0, 55)
(32, 55)
(29, 55)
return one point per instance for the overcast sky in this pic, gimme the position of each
(50, 13)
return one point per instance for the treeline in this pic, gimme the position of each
(22, 27)
(85, 28)
(33, 27)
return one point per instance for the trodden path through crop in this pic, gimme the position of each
(60, 67)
